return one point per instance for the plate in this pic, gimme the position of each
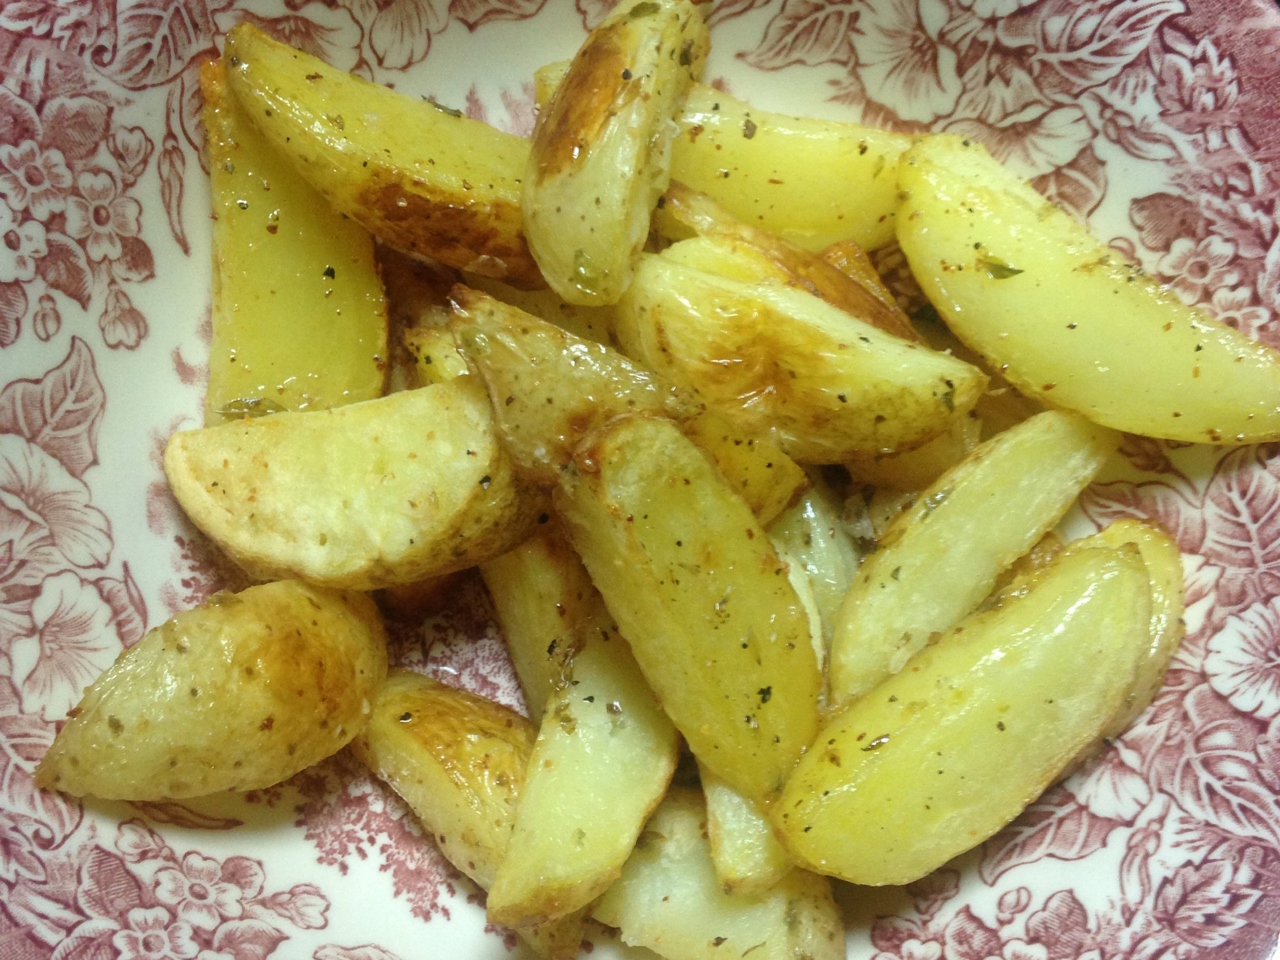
(1155, 120)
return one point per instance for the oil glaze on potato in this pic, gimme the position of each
(421, 178)
(1064, 317)
(238, 694)
(299, 319)
(602, 147)
(369, 495)
(941, 756)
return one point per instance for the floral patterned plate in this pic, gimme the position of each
(1153, 118)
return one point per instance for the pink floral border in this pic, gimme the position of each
(1173, 836)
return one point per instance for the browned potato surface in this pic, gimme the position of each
(238, 694)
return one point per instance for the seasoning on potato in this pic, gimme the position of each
(238, 694)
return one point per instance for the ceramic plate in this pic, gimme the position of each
(1156, 121)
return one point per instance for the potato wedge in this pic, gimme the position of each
(747, 857)
(773, 359)
(700, 594)
(365, 496)
(299, 320)
(603, 759)
(814, 182)
(972, 523)
(669, 900)
(458, 761)
(601, 150)
(861, 293)
(940, 757)
(813, 534)
(550, 389)
(423, 179)
(238, 694)
(1065, 317)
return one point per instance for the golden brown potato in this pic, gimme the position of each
(916, 469)
(435, 355)
(859, 292)
(459, 762)
(422, 178)
(814, 182)
(365, 496)
(604, 755)
(299, 321)
(601, 151)
(701, 595)
(550, 389)
(769, 358)
(941, 756)
(238, 694)
(587, 323)
(941, 556)
(670, 900)
(1064, 317)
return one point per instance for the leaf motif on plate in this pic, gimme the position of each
(810, 32)
(156, 39)
(476, 13)
(13, 306)
(1203, 903)
(247, 939)
(1057, 825)
(1061, 925)
(1079, 186)
(332, 951)
(61, 412)
(65, 268)
(1087, 44)
(1242, 525)
(107, 888)
(1155, 500)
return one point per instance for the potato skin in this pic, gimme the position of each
(238, 694)
(421, 178)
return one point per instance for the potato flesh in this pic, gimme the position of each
(938, 758)
(421, 178)
(458, 761)
(435, 354)
(551, 389)
(916, 469)
(365, 496)
(700, 594)
(238, 694)
(768, 358)
(602, 147)
(972, 523)
(1065, 317)
(603, 759)
(299, 320)
(747, 857)
(670, 900)
(587, 323)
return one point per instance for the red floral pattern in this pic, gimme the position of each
(1167, 846)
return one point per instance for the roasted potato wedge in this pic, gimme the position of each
(813, 534)
(601, 151)
(238, 694)
(1064, 317)
(603, 759)
(730, 243)
(701, 595)
(550, 389)
(459, 762)
(421, 178)
(369, 495)
(670, 900)
(941, 556)
(814, 182)
(747, 857)
(941, 756)
(594, 324)
(299, 320)
(772, 359)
